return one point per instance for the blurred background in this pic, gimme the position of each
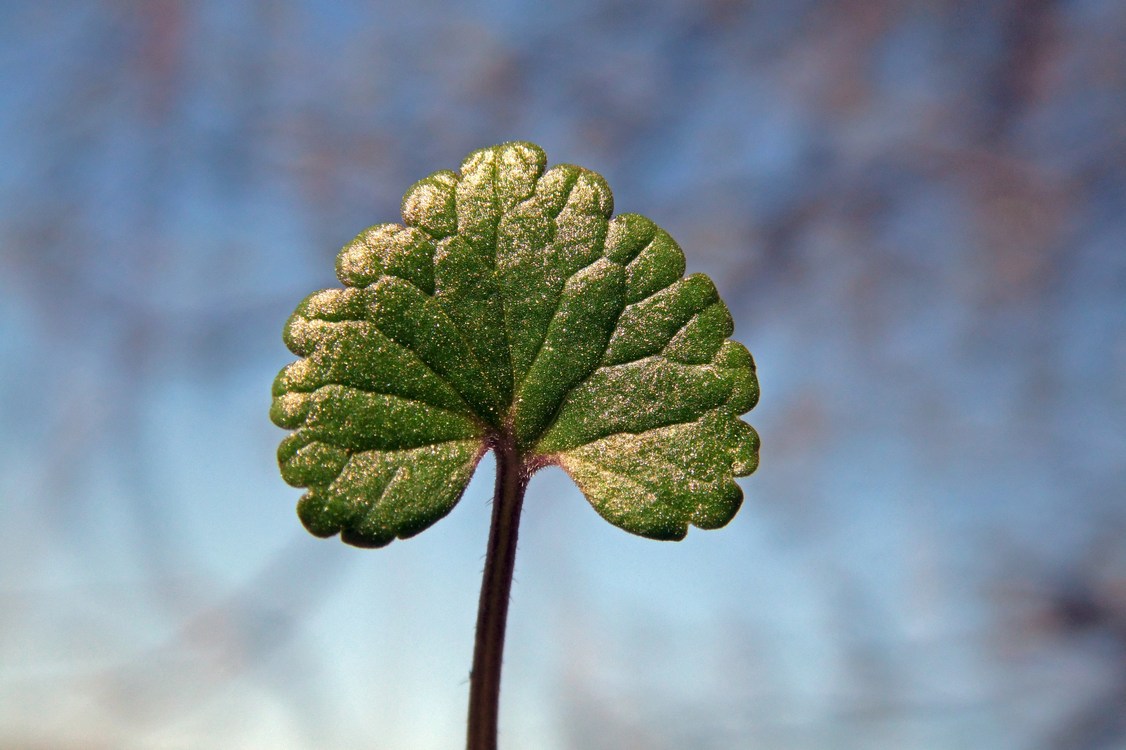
(915, 210)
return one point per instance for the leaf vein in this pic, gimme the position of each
(543, 341)
(636, 433)
(418, 358)
(680, 330)
(373, 392)
(439, 310)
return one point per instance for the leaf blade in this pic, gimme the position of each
(512, 308)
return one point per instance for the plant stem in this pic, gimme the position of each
(492, 612)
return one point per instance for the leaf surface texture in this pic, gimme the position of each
(510, 306)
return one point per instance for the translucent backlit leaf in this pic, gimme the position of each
(510, 306)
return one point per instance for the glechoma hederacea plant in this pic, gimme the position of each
(509, 312)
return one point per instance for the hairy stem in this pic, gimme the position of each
(492, 612)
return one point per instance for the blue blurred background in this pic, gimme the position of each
(916, 210)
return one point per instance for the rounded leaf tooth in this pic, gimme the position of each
(519, 165)
(307, 324)
(508, 172)
(657, 266)
(315, 464)
(647, 326)
(388, 249)
(321, 517)
(581, 227)
(699, 340)
(552, 191)
(410, 256)
(738, 368)
(739, 439)
(475, 200)
(299, 335)
(360, 262)
(744, 460)
(288, 410)
(627, 236)
(334, 305)
(429, 204)
(365, 540)
(590, 194)
(293, 377)
(493, 180)
(725, 503)
(290, 453)
(292, 443)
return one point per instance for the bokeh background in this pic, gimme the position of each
(916, 211)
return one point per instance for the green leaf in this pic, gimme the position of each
(509, 308)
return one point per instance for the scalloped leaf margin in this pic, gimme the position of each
(509, 305)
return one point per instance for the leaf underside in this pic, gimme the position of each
(510, 306)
